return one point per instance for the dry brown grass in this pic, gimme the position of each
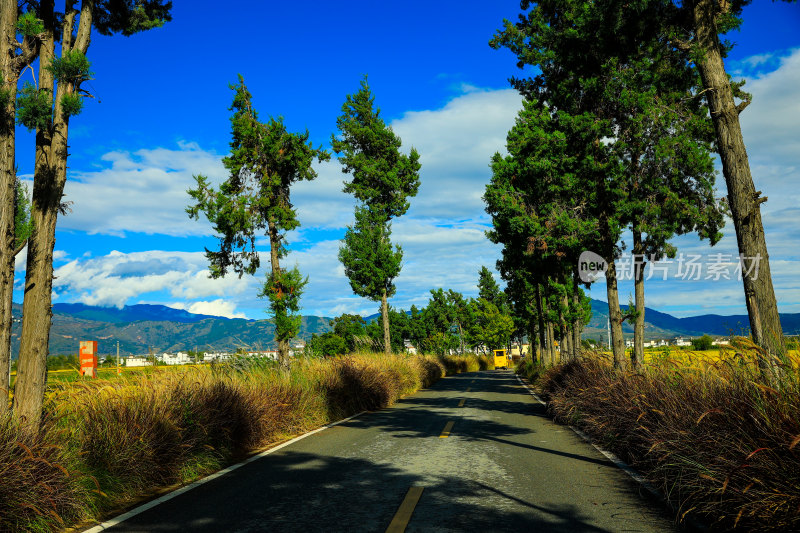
(108, 443)
(719, 443)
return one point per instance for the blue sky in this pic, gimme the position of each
(161, 115)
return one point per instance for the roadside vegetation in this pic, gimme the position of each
(703, 428)
(107, 444)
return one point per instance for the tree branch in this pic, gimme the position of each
(84, 34)
(19, 248)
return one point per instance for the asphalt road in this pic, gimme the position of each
(502, 466)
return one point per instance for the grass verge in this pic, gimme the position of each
(105, 444)
(719, 443)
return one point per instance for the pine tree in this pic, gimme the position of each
(382, 181)
(47, 109)
(265, 161)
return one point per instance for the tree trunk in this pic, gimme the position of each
(50, 176)
(11, 65)
(542, 330)
(551, 345)
(8, 19)
(637, 357)
(743, 200)
(45, 204)
(387, 344)
(577, 325)
(566, 334)
(274, 251)
(615, 316)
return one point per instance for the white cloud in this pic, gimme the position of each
(456, 144)
(217, 307)
(143, 191)
(117, 278)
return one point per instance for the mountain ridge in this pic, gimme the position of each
(143, 327)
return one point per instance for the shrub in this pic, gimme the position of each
(719, 443)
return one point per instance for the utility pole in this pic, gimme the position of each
(609, 332)
(118, 372)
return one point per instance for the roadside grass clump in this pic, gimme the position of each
(720, 443)
(109, 443)
(35, 480)
(456, 364)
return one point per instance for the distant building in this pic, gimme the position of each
(409, 348)
(720, 342)
(269, 354)
(680, 341)
(208, 357)
(180, 358)
(137, 360)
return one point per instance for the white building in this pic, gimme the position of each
(720, 342)
(269, 354)
(137, 360)
(680, 341)
(180, 358)
(208, 357)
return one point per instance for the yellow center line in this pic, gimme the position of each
(461, 403)
(403, 514)
(446, 431)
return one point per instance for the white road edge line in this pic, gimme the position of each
(177, 492)
(622, 465)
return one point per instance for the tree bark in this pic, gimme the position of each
(566, 333)
(387, 342)
(743, 200)
(8, 19)
(551, 345)
(11, 65)
(542, 330)
(615, 316)
(577, 326)
(637, 357)
(50, 176)
(274, 263)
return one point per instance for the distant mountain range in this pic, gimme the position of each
(140, 328)
(660, 325)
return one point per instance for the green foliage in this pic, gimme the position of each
(489, 290)
(490, 327)
(23, 224)
(28, 25)
(72, 67)
(265, 161)
(130, 16)
(349, 328)
(284, 289)
(382, 177)
(34, 108)
(703, 343)
(370, 262)
(71, 104)
(328, 344)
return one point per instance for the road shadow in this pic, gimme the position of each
(291, 491)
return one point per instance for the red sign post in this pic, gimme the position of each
(88, 357)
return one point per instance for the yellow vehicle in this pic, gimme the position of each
(500, 359)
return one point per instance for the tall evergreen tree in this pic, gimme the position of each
(697, 29)
(371, 262)
(20, 38)
(382, 181)
(265, 161)
(48, 109)
(651, 133)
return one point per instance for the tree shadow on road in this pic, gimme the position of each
(292, 491)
